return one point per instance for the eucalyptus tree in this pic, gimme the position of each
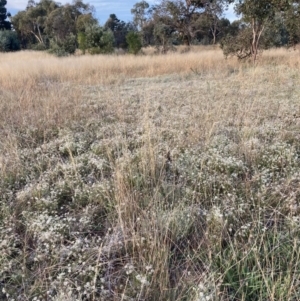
(30, 24)
(213, 17)
(64, 20)
(140, 12)
(259, 14)
(292, 22)
(85, 20)
(99, 40)
(256, 17)
(163, 37)
(181, 15)
(143, 20)
(187, 16)
(120, 29)
(47, 22)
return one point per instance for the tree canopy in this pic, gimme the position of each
(258, 17)
(4, 24)
(48, 24)
(60, 28)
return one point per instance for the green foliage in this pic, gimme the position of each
(38, 47)
(60, 24)
(148, 33)
(238, 45)
(163, 36)
(4, 24)
(212, 19)
(253, 270)
(185, 17)
(239, 40)
(30, 24)
(64, 47)
(292, 23)
(180, 22)
(119, 29)
(82, 44)
(143, 19)
(48, 20)
(277, 34)
(134, 42)
(83, 21)
(259, 17)
(9, 41)
(263, 10)
(139, 12)
(99, 40)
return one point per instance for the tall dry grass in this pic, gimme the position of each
(30, 69)
(43, 87)
(39, 90)
(33, 68)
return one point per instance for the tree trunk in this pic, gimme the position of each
(214, 30)
(257, 30)
(37, 37)
(186, 40)
(214, 34)
(41, 38)
(253, 46)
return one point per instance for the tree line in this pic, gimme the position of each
(61, 29)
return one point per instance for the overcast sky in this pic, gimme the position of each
(103, 8)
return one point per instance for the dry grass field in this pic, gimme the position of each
(172, 177)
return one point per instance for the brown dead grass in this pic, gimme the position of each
(30, 69)
(39, 92)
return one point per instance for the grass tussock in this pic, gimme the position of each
(170, 177)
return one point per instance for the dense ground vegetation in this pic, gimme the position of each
(170, 177)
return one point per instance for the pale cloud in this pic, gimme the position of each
(16, 4)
